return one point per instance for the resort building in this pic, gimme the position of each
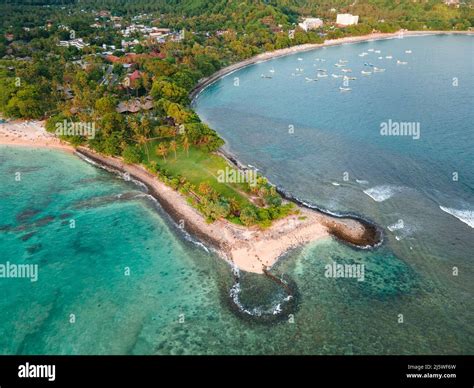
(104, 13)
(311, 24)
(135, 105)
(78, 43)
(346, 19)
(151, 32)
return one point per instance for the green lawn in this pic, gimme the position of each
(199, 166)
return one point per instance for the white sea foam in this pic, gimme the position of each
(396, 226)
(466, 216)
(150, 197)
(382, 193)
(125, 176)
(234, 294)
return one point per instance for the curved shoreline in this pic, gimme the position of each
(373, 237)
(266, 56)
(250, 249)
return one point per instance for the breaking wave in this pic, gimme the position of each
(382, 193)
(466, 216)
(260, 313)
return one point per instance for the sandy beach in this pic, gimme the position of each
(30, 133)
(250, 249)
(205, 82)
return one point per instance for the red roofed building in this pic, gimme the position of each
(131, 79)
(112, 58)
(135, 75)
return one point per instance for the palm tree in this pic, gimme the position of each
(141, 132)
(142, 140)
(145, 133)
(161, 150)
(173, 147)
(186, 145)
(137, 135)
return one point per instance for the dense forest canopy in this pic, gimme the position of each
(240, 11)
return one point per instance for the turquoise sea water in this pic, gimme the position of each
(175, 298)
(325, 146)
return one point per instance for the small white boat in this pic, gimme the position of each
(380, 57)
(349, 78)
(370, 50)
(310, 79)
(343, 61)
(339, 65)
(265, 76)
(377, 51)
(336, 75)
(322, 75)
(363, 54)
(344, 89)
(366, 72)
(346, 70)
(388, 57)
(299, 69)
(408, 51)
(378, 70)
(272, 70)
(401, 62)
(300, 59)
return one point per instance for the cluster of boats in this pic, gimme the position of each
(342, 66)
(399, 62)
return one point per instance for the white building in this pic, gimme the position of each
(78, 43)
(142, 29)
(311, 24)
(346, 19)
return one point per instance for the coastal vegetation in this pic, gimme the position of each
(68, 61)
